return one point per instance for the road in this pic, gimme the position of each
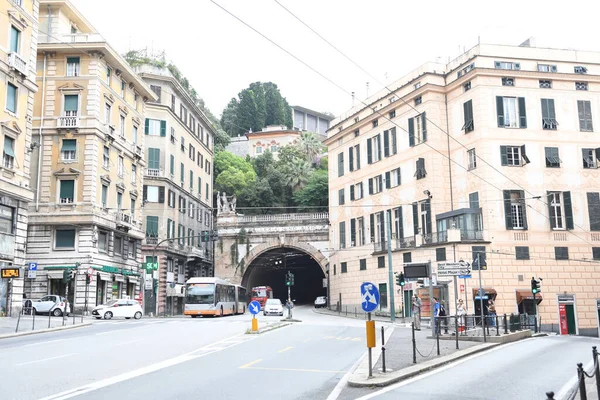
(175, 358)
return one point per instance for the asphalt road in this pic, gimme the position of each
(183, 358)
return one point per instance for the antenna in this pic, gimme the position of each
(367, 90)
(352, 99)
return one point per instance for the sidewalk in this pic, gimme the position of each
(8, 325)
(592, 392)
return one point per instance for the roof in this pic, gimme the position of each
(309, 111)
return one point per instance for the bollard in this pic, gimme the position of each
(33, 323)
(82, 316)
(49, 316)
(597, 372)
(550, 395)
(383, 349)
(581, 377)
(535, 327)
(414, 343)
(456, 329)
(18, 320)
(445, 319)
(497, 326)
(356, 315)
(437, 334)
(506, 331)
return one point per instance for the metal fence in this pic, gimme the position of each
(581, 375)
(41, 320)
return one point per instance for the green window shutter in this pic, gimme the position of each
(11, 98)
(568, 210)
(341, 164)
(151, 226)
(71, 102)
(72, 60)
(153, 158)
(199, 186)
(9, 146)
(507, 209)
(69, 145)
(351, 192)
(163, 128)
(524, 206)
(351, 159)
(353, 232)
(394, 141)
(388, 183)
(191, 179)
(169, 222)
(357, 149)
(372, 226)
(182, 174)
(370, 185)
(411, 132)
(369, 151)
(14, 39)
(522, 113)
(386, 143)
(379, 147)
(503, 155)
(172, 165)
(500, 111)
(67, 189)
(474, 200)
(415, 213)
(104, 194)
(146, 126)
(424, 125)
(593, 199)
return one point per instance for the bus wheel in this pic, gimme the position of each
(221, 312)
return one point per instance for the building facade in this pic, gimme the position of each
(177, 190)
(18, 46)
(311, 121)
(87, 166)
(491, 157)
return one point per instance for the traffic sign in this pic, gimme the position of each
(453, 269)
(370, 296)
(254, 307)
(468, 276)
(453, 265)
(32, 270)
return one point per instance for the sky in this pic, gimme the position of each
(387, 38)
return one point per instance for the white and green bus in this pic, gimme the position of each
(212, 296)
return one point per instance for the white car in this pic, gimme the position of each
(126, 308)
(321, 301)
(273, 307)
(52, 304)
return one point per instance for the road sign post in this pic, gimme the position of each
(370, 300)
(254, 309)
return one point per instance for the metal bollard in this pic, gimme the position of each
(506, 333)
(18, 320)
(535, 327)
(383, 349)
(414, 343)
(49, 316)
(597, 372)
(550, 395)
(445, 319)
(497, 326)
(456, 330)
(437, 334)
(33, 323)
(581, 377)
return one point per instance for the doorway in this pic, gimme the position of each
(571, 323)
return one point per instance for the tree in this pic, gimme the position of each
(312, 146)
(232, 173)
(315, 193)
(257, 197)
(229, 118)
(246, 111)
(261, 110)
(296, 174)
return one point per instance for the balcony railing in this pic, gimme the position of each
(15, 61)
(471, 235)
(124, 218)
(136, 149)
(153, 172)
(71, 38)
(405, 243)
(67, 122)
(435, 237)
(153, 240)
(283, 217)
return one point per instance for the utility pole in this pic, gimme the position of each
(390, 267)
(481, 297)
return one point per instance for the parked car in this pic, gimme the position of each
(52, 304)
(126, 308)
(273, 307)
(321, 301)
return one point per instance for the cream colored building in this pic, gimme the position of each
(271, 138)
(515, 180)
(88, 166)
(177, 188)
(19, 21)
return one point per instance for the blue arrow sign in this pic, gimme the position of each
(464, 276)
(370, 296)
(254, 307)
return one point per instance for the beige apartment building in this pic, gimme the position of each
(87, 165)
(177, 190)
(495, 155)
(19, 19)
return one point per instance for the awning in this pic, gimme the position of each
(55, 274)
(104, 276)
(527, 295)
(119, 278)
(133, 279)
(490, 292)
(8, 146)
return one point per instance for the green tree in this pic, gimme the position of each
(287, 155)
(261, 110)
(232, 173)
(229, 118)
(312, 146)
(296, 174)
(258, 197)
(315, 193)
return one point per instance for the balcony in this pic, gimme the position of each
(136, 149)
(397, 244)
(67, 122)
(17, 63)
(71, 38)
(154, 172)
(471, 235)
(151, 240)
(124, 218)
(435, 237)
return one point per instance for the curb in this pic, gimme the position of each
(57, 329)
(409, 372)
(267, 328)
(361, 317)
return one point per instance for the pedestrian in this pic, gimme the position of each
(416, 309)
(461, 312)
(492, 312)
(442, 316)
(436, 314)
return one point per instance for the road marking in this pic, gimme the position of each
(335, 393)
(129, 342)
(118, 330)
(251, 363)
(295, 370)
(286, 349)
(48, 341)
(307, 340)
(45, 359)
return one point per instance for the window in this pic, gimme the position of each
(375, 184)
(157, 90)
(153, 161)
(593, 199)
(72, 66)
(170, 229)
(363, 264)
(118, 245)
(122, 126)
(420, 171)
(374, 149)
(191, 180)
(508, 81)
(581, 86)
(584, 110)
(418, 100)
(182, 174)
(560, 210)
(342, 235)
(207, 167)
(398, 223)
(11, 98)
(120, 167)
(131, 249)
(548, 115)
(259, 150)
(181, 234)
(171, 199)
(590, 158)
(545, 84)
(182, 144)
(119, 201)
(191, 208)
(596, 253)
(182, 204)
(71, 105)
(356, 154)
(514, 209)
(135, 100)
(151, 226)
(68, 152)
(192, 153)
(341, 164)
(392, 178)
(134, 133)
(153, 193)
(511, 112)
(561, 253)
(440, 254)
(133, 174)
(375, 123)
(172, 165)
(580, 70)
(206, 191)
(106, 158)
(172, 135)
(8, 155)
(472, 156)
(392, 114)
(381, 262)
(513, 156)
(522, 252)
(474, 200)
(356, 133)
(552, 159)
(108, 75)
(360, 222)
(199, 187)
(417, 130)
(467, 86)
(469, 125)
(156, 127)
(547, 68)
(6, 219)
(64, 239)
(15, 39)
(507, 65)
(341, 197)
(390, 145)
(132, 207)
(67, 191)
(407, 257)
(344, 267)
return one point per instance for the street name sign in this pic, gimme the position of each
(453, 269)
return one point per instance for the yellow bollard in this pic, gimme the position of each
(254, 324)
(371, 338)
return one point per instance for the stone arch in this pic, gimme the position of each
(277, 244)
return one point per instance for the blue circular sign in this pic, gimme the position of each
(254, 307)
(369, 296)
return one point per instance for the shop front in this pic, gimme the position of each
(567, 314)
(56, 283)
(9, 272)
(102, 283)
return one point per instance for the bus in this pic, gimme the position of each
(261, 294)
(210, 296)
(241, 299)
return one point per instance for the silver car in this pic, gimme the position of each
(52, 304)
(273, 307)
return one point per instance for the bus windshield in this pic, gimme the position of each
(200, 293)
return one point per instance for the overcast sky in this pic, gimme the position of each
(388, 38)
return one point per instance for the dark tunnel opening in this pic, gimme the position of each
(270, 268)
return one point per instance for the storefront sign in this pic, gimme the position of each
(114, 270)
(8, 273)
(566, 298)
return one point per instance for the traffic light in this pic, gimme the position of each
(206, 236)
(400, 279)
(66, 276)
(535, 286)
(88, 279)
(289, 279)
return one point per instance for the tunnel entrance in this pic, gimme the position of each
(270, 267)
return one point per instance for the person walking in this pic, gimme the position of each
(461, 312)
(492, 312)
(416, 309)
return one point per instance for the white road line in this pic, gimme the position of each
(45, 359)
(129, 342)
(46, 342)
(567, 389)
(117, 331)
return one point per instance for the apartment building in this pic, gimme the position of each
(17, 90)
(177, 190)
(87, 166)
(493, 156)
(310, 120)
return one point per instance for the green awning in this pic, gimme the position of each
(60, 267)
(8, 146)
(69, 145)
(71, 102)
